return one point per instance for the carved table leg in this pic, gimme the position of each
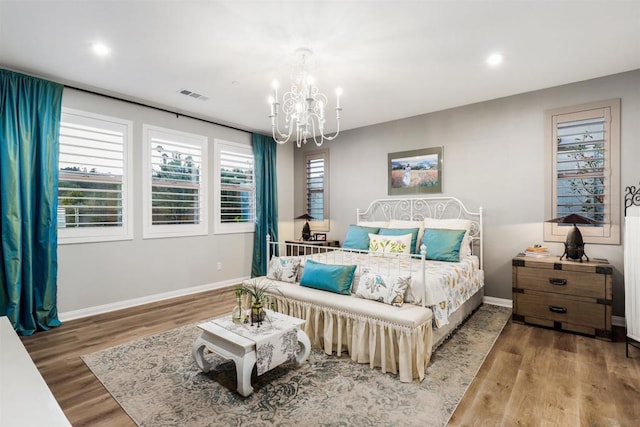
(198, 349)
(244, 367)
(306, 347)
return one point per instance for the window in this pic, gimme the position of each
(174, 180)
(236, 191)
(584, 157)
(94, 186)
(317, 189)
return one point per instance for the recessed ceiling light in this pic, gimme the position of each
(495, 59)
(100, 49)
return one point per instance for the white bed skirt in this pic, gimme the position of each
(392, 348)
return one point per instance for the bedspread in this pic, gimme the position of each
(445, 287)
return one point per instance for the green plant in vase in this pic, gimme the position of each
(257, 291)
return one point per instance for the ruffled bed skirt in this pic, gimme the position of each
(393, 348)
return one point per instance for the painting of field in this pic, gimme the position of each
(419, 178)
(416, 171)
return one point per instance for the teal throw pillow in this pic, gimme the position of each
(358, 237)
(443, 244)
(328, 277)
(400, 232)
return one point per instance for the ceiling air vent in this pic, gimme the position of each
(194, 95)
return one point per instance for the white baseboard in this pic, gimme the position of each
(502, 302)
(106, 308)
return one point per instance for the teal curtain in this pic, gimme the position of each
(29, 127)
(264, 151)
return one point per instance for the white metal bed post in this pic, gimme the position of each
(267, 254)
(423, 258)
(481, 240)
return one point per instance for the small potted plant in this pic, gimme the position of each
(257, 291)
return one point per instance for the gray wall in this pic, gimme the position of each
(493, 158)
(96, 274)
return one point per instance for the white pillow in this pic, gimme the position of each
(403, 223)
(390, 244)
(389, 290)
(378, 224)
(453, 224)
(283, 269)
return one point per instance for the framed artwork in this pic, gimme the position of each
(415, 171)
(321, 237)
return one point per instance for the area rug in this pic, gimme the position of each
(157, 382)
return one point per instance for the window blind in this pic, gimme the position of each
(315, 185)
(237, 186)
(580, 163)
(175, 189)
(91, 168)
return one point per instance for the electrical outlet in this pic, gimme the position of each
(219, 266)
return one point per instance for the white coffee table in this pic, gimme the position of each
(241, 349)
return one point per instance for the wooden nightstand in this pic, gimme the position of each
(310, 246)
(563, 295)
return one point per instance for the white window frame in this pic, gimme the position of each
(609, 233)
(229, 228)
(105, 234)
(324, 224)
(153, 231)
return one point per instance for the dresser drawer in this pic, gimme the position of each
(559, 308)
(562, 282)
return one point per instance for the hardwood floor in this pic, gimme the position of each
(532, 376)
(540, 377)
(57, 352)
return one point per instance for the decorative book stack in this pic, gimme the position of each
(537, 251)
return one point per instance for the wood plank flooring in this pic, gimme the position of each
(540, 377)
(57, 352)
(532, 376)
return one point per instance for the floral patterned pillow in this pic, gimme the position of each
(283, 269)
(389, 290)
(384, 244)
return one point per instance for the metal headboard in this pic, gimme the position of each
(631, 197)
(419, 208)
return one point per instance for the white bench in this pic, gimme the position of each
(25, 399)
(395, 339)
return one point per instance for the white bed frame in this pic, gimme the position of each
(414, 209)
(420, 208)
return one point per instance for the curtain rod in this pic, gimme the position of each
(155, 108)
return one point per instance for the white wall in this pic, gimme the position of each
(493, 158)
(96, 274)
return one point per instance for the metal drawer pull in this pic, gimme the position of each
(557, 309)
(557, 282)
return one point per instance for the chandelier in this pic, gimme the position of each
(303, 107)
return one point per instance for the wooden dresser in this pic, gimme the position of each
(563, 295)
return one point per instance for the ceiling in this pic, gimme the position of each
(393, 59)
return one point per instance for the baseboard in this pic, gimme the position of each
(618, 321)
(106, 308)
(502, 302)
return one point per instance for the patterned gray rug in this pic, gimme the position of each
(157, 383)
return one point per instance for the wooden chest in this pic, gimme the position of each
(563, 295)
